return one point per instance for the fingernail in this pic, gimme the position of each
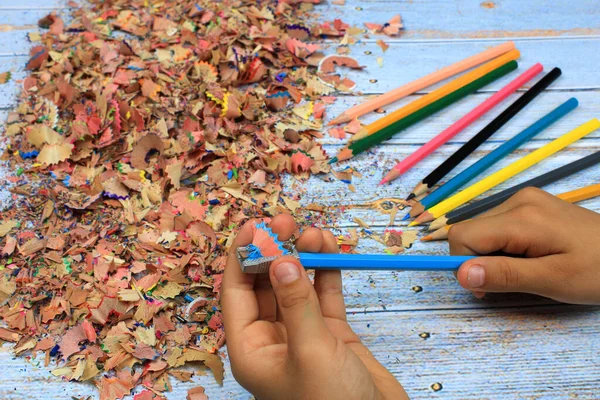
(286, 272)
(476, 276)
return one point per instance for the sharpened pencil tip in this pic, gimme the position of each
(383, 182)
(427, 238)
(407, 216)
(414, 223)
(333, 160)
(340, 119)
(411, 196)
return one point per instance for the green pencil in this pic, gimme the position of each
(384, 134)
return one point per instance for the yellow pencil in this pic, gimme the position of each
(513, 169)
(436, 94)
(573, 196)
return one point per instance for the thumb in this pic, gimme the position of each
(503, 274)
(298, 303)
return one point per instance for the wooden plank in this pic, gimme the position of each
(374, 165)
(406, 61)
(24, 5)
(16, 24)
(538, 352)
(442, 19)
(500, 354)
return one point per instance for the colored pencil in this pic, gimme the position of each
(435, 95)
(496, 155)
(372, 262)
(584, 193)
(357, 147)
(506, 173)
(422, 83)
(573, 196)
(438, 234)
(478, 207)
(437, 174)
(461, 124)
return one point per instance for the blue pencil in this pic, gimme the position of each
(374, 262)
(468, 174)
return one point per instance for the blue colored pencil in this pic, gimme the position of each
(480, 166)
(384, 262)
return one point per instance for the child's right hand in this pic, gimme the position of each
(560, 242)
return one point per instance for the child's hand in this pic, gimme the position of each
(289, 340)
(561, 243)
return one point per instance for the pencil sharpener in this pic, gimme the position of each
(260, 265)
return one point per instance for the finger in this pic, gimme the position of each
(298, 305)
(528, 195)
(475, 293)
(283, 226)
(310, 241)
(238, 299)
(506, 274)
(523, 230)
(267, 304)
(328, 284)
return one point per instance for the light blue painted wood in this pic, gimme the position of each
(25, 5)
(406, 61)
(443, 19)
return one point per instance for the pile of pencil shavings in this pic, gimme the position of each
(147, 133)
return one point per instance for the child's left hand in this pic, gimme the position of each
(289, 340)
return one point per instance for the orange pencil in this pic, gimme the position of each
(437, 94)
(422, 83)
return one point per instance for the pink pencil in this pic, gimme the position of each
(461, 124)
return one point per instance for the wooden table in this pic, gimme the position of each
(503, 347)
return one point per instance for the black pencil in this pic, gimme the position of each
(437, 174)
(468, 211)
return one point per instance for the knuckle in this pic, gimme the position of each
(329, 236)
(296, 296)
(509, 275)
(528, 194)
(530, 213)
(455, 237)
(455, 233)
(329, 289)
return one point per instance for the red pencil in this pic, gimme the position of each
(461, 124)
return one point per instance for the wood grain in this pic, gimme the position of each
(529, 352)
(467, 19)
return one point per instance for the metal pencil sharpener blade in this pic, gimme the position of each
(261, 265)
